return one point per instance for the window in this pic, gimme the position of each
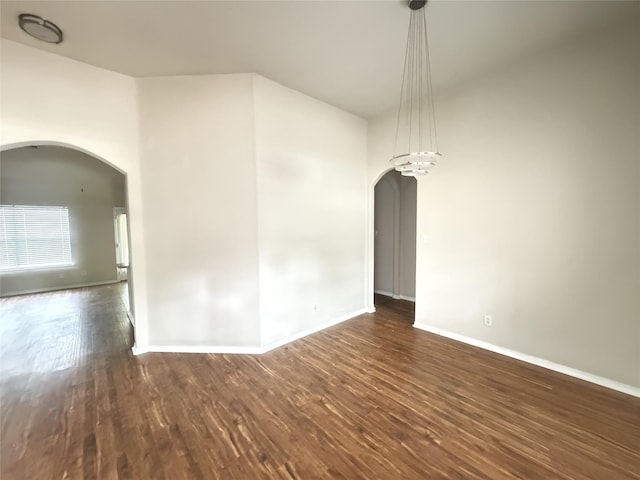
(34, 237)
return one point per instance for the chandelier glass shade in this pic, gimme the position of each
(416, 144)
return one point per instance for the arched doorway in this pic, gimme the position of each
(66, 199)
(394, 224)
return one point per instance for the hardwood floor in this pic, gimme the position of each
(371, 398)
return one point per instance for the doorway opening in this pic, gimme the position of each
(394, 245)
(57, 226)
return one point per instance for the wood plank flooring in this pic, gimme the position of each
(371, 398)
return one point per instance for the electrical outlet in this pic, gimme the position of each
(488, 320)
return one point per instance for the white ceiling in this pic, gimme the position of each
(347, 53)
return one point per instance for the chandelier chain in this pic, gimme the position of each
(402, 91)
(415, 149)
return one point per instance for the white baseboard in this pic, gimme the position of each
(409, 299)
(250, 350)
(304, 333)
(57, 289)
(138, 350)
(382, 292)
(395, 296)
(195, 349)
(572, 372)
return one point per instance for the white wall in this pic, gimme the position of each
(533, 216)
(198, 159)
(254, 210)
(199, 184)
(311, 170)
(90, 189)
(48, 99)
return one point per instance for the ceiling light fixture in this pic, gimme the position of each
(416, 144)
(40, 28)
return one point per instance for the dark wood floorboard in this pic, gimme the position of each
(372, 398)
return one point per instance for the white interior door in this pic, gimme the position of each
(122, 242)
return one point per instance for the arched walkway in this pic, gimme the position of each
(92, 234)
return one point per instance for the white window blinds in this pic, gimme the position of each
(34, 237)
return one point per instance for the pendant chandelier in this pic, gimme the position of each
(416, 144)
